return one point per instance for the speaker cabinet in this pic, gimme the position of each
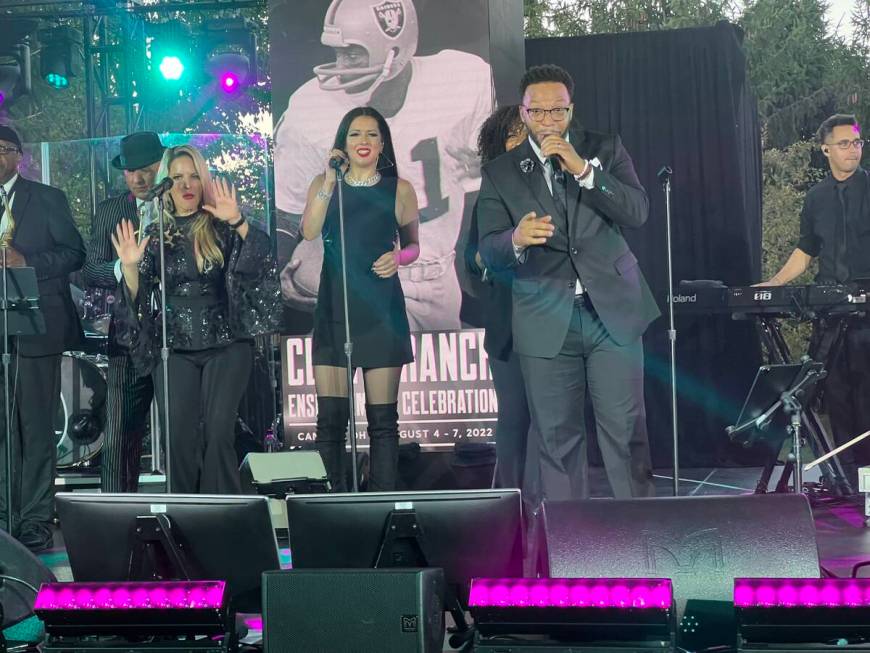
(359, 610)
(701, 543)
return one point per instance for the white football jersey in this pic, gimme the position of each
(434, 136)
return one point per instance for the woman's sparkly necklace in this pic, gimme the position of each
(370, 181)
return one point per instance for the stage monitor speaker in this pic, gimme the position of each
(360, 610)
(16, 599)
(701, 543)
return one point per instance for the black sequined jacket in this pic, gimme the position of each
(205, 309)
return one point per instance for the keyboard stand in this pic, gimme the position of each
(815, 434)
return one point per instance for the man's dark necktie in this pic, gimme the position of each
(559, 189)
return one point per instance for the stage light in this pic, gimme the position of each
(170, 51)
(171, 67)
(806, 611)
(230, 48)
(574, 611)
(168, 608)
(15, 80)
(230, 82)
(58, 59)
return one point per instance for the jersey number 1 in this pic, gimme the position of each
(426, 152)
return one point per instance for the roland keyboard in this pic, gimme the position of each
(784, 301)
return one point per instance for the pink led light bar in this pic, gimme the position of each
(802, 592)
(164, 595)
(647, 593)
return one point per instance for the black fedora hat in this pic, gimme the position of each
(138, 150)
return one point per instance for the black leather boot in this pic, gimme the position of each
(384, 446)
(332, 417)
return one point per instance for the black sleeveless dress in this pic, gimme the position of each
(378, 322)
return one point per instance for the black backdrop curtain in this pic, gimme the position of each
(682, 98)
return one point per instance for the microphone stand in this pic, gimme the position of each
(664, 176)
(7, 360)
(348, 343)
(164, 349)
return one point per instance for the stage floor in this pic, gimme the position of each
(842, 537)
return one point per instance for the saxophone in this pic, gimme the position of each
(6, 236)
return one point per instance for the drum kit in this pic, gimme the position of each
(81, 416)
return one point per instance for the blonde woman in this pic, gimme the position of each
(221, 289)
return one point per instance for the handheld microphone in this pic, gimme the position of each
(159, 189)
(556, 165)
(335, 162)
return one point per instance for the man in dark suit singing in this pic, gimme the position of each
(553, 209)
(41, 234)
(128, 396)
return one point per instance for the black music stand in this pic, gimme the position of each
(776, 399)
(25, 318)
(19, 307)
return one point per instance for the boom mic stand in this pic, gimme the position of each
(348, 343)
(7, 359)
(160, 189)
(664, 176)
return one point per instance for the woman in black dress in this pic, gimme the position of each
(518, 464)
(221, 290)
(381, 227)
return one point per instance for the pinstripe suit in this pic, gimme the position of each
(128, 396)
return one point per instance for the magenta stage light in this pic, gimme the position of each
(801, 610)
(642, 593)
(177, 608)
(170, 595)
(801, 592)
(637, 610)
(230, 82)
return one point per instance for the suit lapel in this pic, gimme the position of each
(534, 179)
(20, 206)
(574, 190)
(130, 209)
(579, 214)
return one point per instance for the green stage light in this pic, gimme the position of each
(170, 52)
(59, 56)
(57, 81)
(171, 67)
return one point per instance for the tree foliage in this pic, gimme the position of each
(800, 72)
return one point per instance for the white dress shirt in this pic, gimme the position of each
(587, 182)
(146, 211)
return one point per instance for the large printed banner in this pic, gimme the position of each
(446, 395)
(424, 65)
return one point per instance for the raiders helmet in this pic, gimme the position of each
(386, 29)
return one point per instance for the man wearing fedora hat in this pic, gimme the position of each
(41, 234)
(128, 397)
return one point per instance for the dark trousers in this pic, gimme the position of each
(205, 388)
(35, 393)
(847, 395)
(128, 402)
(590, 360)
(516, 465)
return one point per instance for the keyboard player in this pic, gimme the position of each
(835, 229)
